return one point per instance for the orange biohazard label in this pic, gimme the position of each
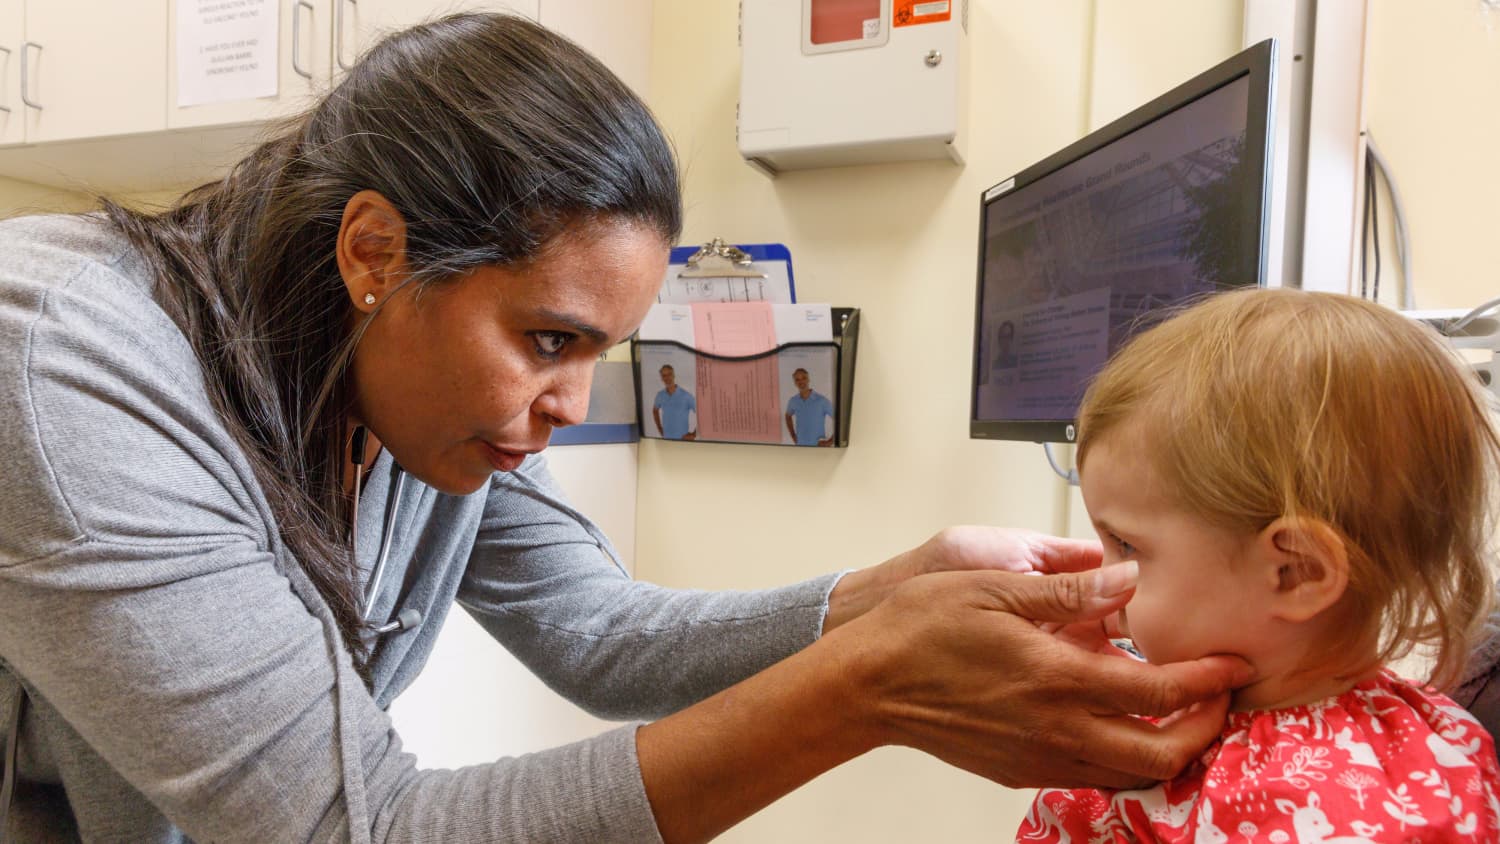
(913, 12)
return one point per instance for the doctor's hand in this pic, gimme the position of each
(963, 548)
(955, 664)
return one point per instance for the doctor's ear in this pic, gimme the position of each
(1306, 564)
(371, 249)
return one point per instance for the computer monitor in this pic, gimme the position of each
(1097, 241)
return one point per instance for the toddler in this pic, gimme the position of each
(1304, 481)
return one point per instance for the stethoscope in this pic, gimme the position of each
(407, 619)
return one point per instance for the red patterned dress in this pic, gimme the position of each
(1385, 761)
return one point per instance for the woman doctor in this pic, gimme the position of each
(256, 446)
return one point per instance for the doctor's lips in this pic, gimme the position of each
(504, 459)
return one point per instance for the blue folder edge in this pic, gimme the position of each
(612, 409)
(591, 433)
(756, 251)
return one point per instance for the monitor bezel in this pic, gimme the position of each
(1259, 64)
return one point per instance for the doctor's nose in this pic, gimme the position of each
(566, 402)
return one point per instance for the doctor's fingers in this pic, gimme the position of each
(1057, 554)
(1138, 751)
(1129, 687)
(965, 547)
(1051, 769)
(1060, 598)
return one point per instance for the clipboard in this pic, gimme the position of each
(723, 272)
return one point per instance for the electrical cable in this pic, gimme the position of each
(1398, 223)
(1364, 242)
(1462, 322)
(1373, 188)
(1071, 475)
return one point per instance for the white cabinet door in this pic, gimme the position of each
(12, 33)
(364, 22)
(618, 32)
(304, 67)
(94, 68)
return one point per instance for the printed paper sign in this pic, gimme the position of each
(226, 50)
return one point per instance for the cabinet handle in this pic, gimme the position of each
(297, 6)
(6, 50)
(338, 32)
(25, 45)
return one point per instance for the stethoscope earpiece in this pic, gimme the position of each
(407, 619)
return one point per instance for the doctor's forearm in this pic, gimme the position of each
(715, 763)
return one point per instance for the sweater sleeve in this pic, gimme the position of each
(147, 602)
(544, 582)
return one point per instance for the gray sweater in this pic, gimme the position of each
(183, 678)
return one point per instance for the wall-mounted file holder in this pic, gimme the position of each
(795, 394)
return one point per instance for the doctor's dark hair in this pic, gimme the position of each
(489, 134)
(1265, 404)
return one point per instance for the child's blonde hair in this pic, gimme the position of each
(1262, 404)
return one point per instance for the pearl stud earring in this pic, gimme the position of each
(369, 298)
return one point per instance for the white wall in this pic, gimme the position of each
(899, 241)
(474, 702)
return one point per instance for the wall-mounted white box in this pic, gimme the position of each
(827, 83)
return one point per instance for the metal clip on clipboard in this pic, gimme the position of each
(726, 272)
(717, 259)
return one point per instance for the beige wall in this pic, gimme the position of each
(18, 198)
(1432, 100)
(27, 198)
(899, 241)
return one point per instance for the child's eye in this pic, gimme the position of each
(550, 344)
(1125, 548)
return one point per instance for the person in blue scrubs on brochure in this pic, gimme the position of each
(672, 408)
(805, 412)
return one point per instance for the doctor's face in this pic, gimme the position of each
(466, 377)
(1195, 596)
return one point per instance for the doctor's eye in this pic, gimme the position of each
(550, 344)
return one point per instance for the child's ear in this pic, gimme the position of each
(1306, 565)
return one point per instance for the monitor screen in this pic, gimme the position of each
(1101, 239)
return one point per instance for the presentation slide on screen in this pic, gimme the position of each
(1041, 353)
(1079, 259)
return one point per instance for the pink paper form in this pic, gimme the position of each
(736, 399)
